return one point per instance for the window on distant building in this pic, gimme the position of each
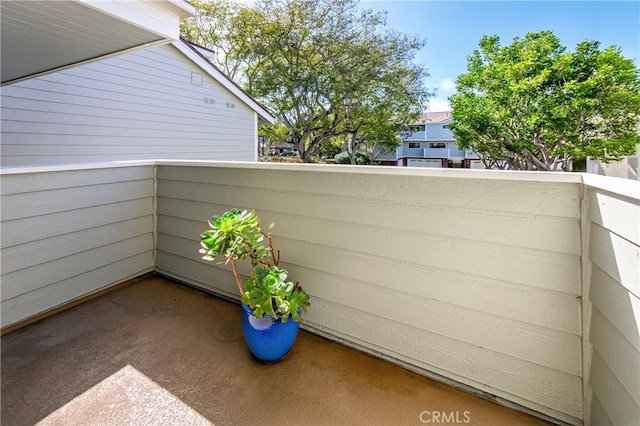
(445, 126)
(437, 145)
(414, 144)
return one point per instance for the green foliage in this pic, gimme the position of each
(233, 235)
(217, 26)
(269, 293)
(325, 68)
(345, 158)
(533, 105)
(237, 235)
(274, 134)
(329, 148)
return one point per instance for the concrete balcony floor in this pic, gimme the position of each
(155, 352)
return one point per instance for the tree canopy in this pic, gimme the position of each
(325, 68)
(533, 105)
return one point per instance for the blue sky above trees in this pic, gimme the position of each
(454, 28)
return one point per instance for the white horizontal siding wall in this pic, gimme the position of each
(477, 280)
(135, 106)
(612, 306)
(66, 234)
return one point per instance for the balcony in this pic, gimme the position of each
(448, 153)
(470, 155)
(522, 287)
(155, 352)
(387, 156)
(409, 152)
(436, 153)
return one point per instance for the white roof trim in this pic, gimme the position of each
(221, 78)
(180, 8)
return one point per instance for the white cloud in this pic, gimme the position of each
(438, 104)
(446, 87)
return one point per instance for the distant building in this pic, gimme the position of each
(626, 168)
(430, 143)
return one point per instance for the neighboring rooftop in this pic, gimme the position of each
(433, 117)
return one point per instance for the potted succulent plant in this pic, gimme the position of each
(272, 306)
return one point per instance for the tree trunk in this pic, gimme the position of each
(535, 161)
(311, 148)
(354, 144)
(301, 147)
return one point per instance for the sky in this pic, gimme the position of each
(453, 29)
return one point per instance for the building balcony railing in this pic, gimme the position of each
(409, 152)
(429, 135)
(436, 153)
(387, 156)
(523, 286)
(446, 153)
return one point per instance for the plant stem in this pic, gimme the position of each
(237, 276)
(273, 255)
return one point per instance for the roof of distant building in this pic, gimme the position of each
(433, 117)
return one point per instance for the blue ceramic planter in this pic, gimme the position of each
(269, 340)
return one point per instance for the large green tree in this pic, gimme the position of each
(533, 105)
(326, 68)
(218, 26)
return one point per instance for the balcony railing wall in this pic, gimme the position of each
(611, 301)
(388, 156)
(470, 155)
(410, 152)
(436, 153)
(457, 153)
(493, 288)
(482, 287)
(450, 153)
(68, 232)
